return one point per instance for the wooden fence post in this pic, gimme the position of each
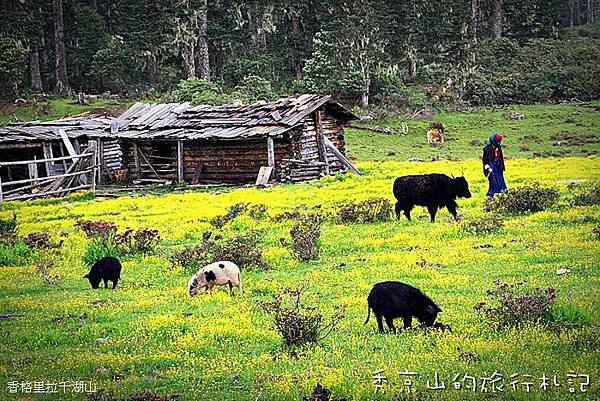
(1, 196)
(321, 142)
(101, 162)
(33, 172)
(93, 145)
(136, 159)
(271, 152)
(179, 160)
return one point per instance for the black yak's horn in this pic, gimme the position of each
(452, 175)
(463, 172)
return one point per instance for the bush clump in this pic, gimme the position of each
(258, 211)
(40, 240)
(97, 228)
(9, 232)
(305, 236)
(596, 232)
(143, 241)
(517, 306)
(98, 249)
(366, 211)
(300, 324)
(299, 213)
(232, 212)
(487, 223)
(528, 198)
(586, 195)
(242, 249)
(106, 241)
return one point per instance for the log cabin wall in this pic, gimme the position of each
(155, 162)
(305, 144)
(334, 131)
(111, 156)
(228, 161)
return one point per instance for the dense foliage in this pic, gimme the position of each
(367, 51)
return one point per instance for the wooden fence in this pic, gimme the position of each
(81, 173)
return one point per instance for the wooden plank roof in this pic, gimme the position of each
(183, 121)
(38, 131)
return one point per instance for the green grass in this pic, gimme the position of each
(228, 348)
(57, 108)
(547, 130)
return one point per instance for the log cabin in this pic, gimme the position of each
(53, 157)
(293, 139)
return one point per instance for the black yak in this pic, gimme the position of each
(392, 299)
(107, 268)
(431, 190)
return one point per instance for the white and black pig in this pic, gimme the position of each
(107, 268)
(218, 273)
(393, 299)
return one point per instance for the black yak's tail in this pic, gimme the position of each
(368, 315)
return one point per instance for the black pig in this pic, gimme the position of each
(107, 268)
(392, 299)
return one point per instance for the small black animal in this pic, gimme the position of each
(393, 299)
(107, 268)
(431, 190)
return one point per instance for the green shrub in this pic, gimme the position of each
(299, 324)
(232, 212)
(9, 232)
(40, 240)
(98, 249)
(199, 91)
(16, 254)
(142, 241)
(570, 314)
(242, 249)
(367, 211)
(528, 198)
(487, 223)
(253, 88)
(517, 306)
(305, 237)
(97, 229)
(586, 195)
(195, 256)
(258, 211)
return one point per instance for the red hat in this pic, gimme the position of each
(498, 137)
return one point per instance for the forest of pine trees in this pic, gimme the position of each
(399, 53)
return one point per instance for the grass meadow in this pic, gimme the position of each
(149, 334)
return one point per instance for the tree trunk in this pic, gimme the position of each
(59, 49)
(203, 59)
(152, 67)
(473, 30)
(34, 68)
(577, 12)
(297, 36)
(189, 60)
(94, 5)
(15, 88)
(412, 61)
(571, 13)
(497, 19)
(590, 12)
